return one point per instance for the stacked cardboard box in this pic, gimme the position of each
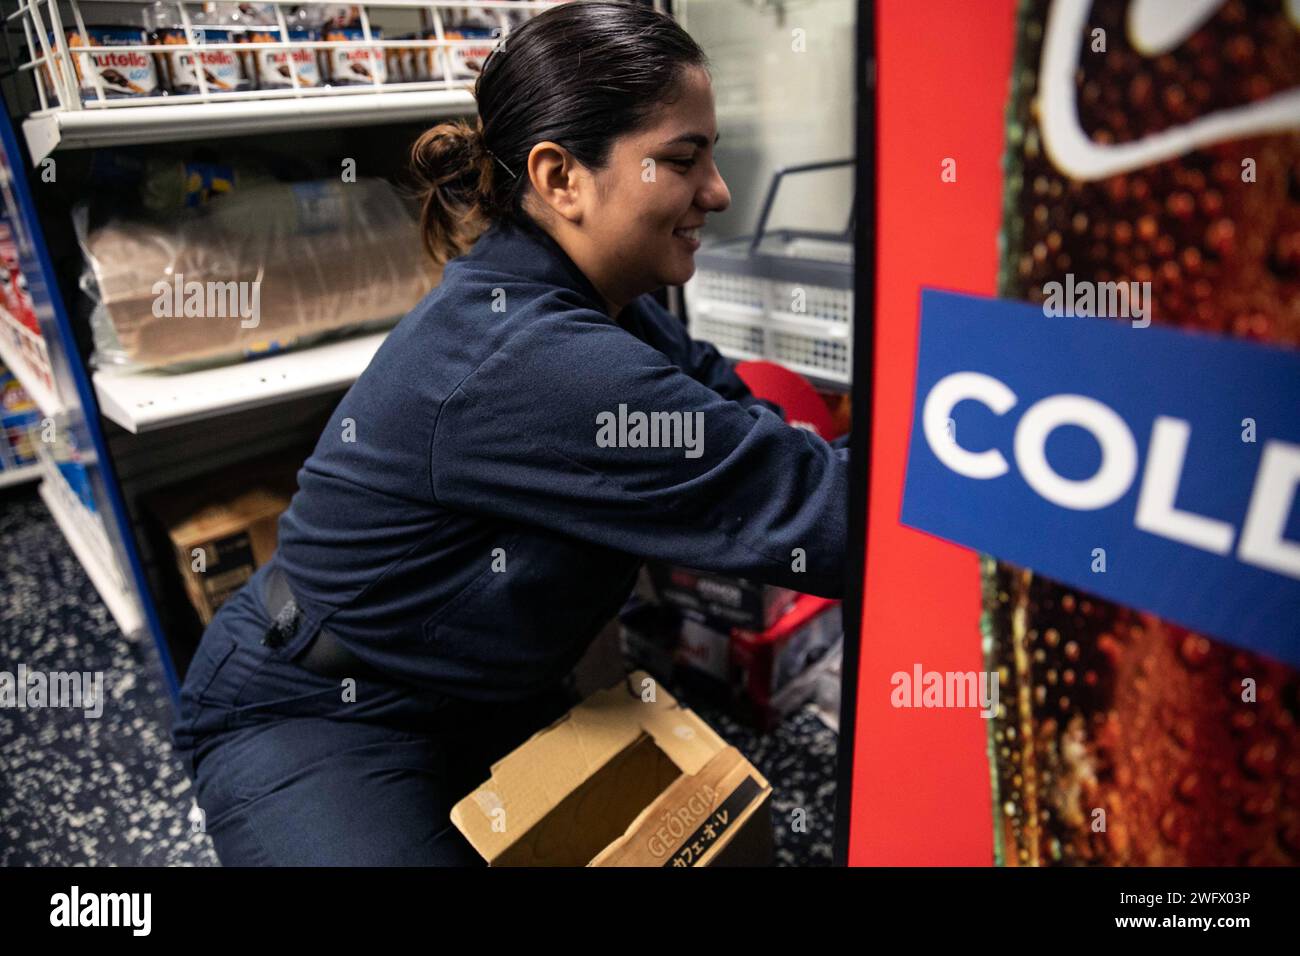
(760, 649)
(723, 601)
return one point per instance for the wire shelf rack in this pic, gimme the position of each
(106, 72)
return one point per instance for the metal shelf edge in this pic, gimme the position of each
(17, 476)
(128, 125)
(119, 603)
(147, 401)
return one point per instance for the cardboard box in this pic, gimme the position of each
(694, 658)
(235, 531)
(724, 601)
(621, 781)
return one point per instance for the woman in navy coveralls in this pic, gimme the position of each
(460, 535)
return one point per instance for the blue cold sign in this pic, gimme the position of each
(1153, 467)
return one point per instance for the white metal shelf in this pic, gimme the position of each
(81, 532)
(17, 476)
(73, 129)
(144, 401)
(77, 109)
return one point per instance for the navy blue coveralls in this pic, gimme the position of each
(462, 531)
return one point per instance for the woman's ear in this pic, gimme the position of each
(560, 181)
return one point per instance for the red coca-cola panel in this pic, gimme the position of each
(921, 791)
(1146, 144)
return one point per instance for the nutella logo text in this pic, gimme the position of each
(125, 60)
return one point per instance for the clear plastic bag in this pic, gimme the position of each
(263, 268)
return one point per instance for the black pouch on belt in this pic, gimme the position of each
(324, 655)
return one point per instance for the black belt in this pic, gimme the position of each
(325, 655)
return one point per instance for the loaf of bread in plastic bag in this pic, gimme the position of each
(265, 267)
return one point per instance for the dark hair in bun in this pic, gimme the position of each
(580, 74)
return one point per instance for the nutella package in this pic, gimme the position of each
(276, 68)
(114, 67)
(355, 66)
(408, 64)
(223, 70)
(467, 59)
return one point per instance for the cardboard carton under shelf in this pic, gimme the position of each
(234, 528)
(621, 781)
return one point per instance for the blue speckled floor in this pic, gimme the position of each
(798, 760)
(108, 791)
(76, 791)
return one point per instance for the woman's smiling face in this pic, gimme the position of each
(633, 226)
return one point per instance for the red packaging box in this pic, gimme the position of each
(776, 669)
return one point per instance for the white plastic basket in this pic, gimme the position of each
(785, 296)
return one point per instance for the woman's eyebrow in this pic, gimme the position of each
(699, 139)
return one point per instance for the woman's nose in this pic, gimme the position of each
(715, 196)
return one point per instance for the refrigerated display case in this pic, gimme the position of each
(785, 95)
(774, 279)
(784, 296)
